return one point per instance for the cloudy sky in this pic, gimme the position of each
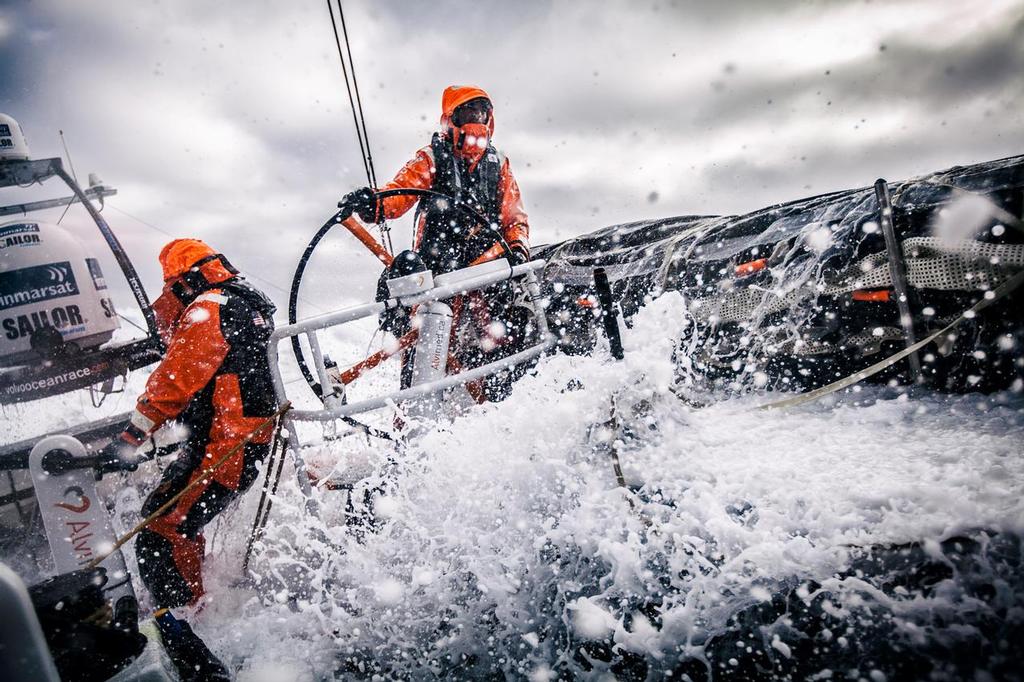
(228, 120)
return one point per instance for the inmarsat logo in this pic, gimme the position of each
(37, 283)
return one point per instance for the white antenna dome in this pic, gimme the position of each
(53, 295)
(13, 146)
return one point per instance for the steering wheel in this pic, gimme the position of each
(341, 215)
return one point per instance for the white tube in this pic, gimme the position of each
(430, 360)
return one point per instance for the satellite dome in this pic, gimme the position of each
(53, 297)
(13, 146)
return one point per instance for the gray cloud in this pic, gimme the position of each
(229, 121)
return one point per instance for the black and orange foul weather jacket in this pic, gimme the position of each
(215, 380)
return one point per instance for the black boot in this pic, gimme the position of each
(194, 661)
(126, 614)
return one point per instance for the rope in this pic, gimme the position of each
(195, 481)
(1003, 290)
(248, 273)
(356, 104)
(348, 88)
(620, 479)
(359, 101)
(266, 496)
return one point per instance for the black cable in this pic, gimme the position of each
(348, 88)
(367, 429)
(358, 117)
(384, 229)
(256, 525)
(359, 101)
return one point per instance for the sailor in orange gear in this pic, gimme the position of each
(460, 162)
(215, 380)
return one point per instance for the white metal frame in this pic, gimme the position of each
(453, 284)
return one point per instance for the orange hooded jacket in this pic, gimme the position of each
(419, 174)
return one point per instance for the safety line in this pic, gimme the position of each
(261, 518)
(248, 272)
(1000, 292)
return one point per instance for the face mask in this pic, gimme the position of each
(471, 141)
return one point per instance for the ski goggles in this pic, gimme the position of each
(474, 111)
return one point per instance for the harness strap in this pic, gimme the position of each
(451, 178)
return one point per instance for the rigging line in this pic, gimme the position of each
(248, 274)
(129, 321)
(140, 220)
(384, 229)
(67, 207)
(348, 88)
(359, 101)
(73, 174)
(358, 117)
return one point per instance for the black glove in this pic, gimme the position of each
(362, 202)
(119, 454)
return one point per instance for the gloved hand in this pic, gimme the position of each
(121, 453)
(519, 254)
(363, 203)
(394, 320)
